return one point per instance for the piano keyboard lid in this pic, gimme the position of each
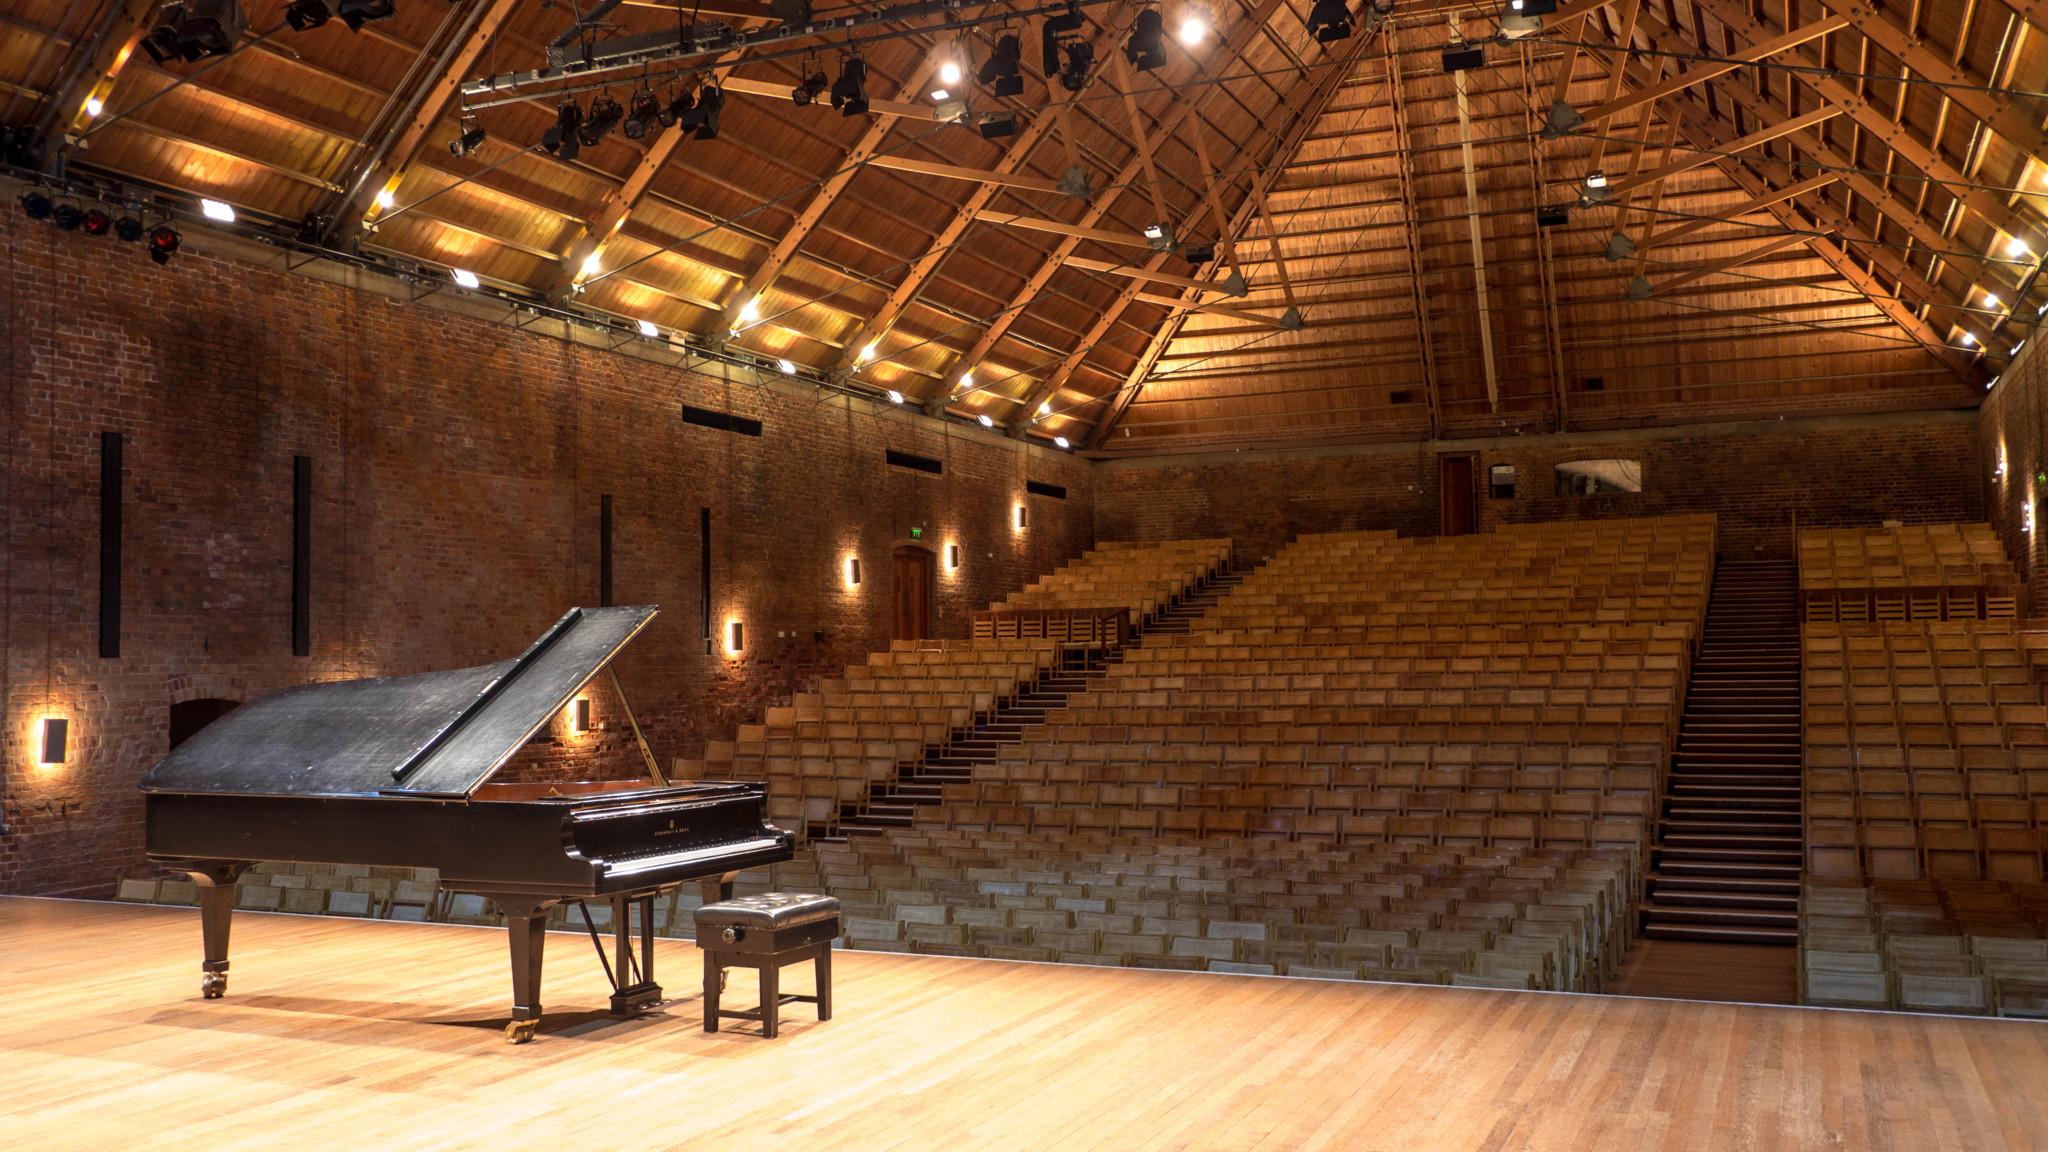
(434, 734)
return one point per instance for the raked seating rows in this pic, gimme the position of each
(1921, 572)
(1143, 576)
(1971, 947)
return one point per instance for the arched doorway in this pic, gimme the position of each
(189, 716)
(913, 592)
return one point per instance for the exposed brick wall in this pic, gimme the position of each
(1831, 472)
(2013, 429)
(458, 466)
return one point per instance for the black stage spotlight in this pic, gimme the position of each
(128, 228)
(710, 102)
(560, 140)
(37, 205)
(162, 41)
(1049, 37)
(304, 14)
(643, 112)
(1198, 254)
(1146, 50)
(1330, 20)
(68, 217)
(356, 13)
(1553, 217)
(1001, 71)
(312, 226)
(97, 223)
(791, 11)
(813, 86)
(1080, 58)
(605, 114)
(679, 107)
(163, 243)
(472, 138)
(998, 124)
(210, 28)
(849, 92)
(1460, 56)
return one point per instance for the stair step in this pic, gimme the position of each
(1711, 934)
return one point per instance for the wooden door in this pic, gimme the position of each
(913, 592)
(1457, 495)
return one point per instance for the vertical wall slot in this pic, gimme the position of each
(110, 545)
(302, 555)
(704, 601)
(604, 551)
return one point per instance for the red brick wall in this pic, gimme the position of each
(1833, 472)
(458, 465)
(2012, 427)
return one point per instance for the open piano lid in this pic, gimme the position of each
(435, 734)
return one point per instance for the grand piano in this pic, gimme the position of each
(396, 772)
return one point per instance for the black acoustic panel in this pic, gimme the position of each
(723, 421)
(704, 560)
(1041, 488)
(912, 460)
(110, 545)
(604, 551)
(302, 556)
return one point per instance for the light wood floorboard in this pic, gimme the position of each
(369, 1035)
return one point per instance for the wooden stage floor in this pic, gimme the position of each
(382, 1036)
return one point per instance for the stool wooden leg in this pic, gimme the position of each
(771, 998)
(712, 979)
(822, 970)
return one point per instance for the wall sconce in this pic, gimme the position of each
(56, 739)
(952, 556)
(853, 572)
(2026, 519)
(1999, 473)
(1023, 517)
(579, 714)
(735, 637)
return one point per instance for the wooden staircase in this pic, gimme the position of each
(894, 805)
(1728, 857)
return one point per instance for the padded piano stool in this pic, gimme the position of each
(765, 933)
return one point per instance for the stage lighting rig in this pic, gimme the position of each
(164, 243)
(68, 217)
(195, 29)
(1056, 37)
(305, 14)
(560, 140)
(1002, 72)
(471, 139)
(1329, 20)
(97, 223)
(356, 13)
(37, 204)
(605, 114)
(814, 83)
(704, 117)
(1146, 49)
(849, 92)
(643, 113)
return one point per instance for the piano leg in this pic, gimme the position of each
(526, 922)
(631, 999)
(216, 883)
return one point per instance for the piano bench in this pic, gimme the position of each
(765, 933)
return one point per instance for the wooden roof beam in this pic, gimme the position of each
(1701, 159)
(379, 183)
(93, 77)
(1705, 72)
(763, 275)
(1747, 207)
(1730, 263)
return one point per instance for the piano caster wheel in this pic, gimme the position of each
(213, 985)
(520, 1031)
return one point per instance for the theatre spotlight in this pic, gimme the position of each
(1001, 72)
(1080, 58)
(560, 140)
(1330, 20)
(1146, 49)
(356, 13)
(128, 228)
(37, 204)
(679, 108)
(644, 113)
(1055, 37)
(97, 223)
(849, 92)
(813, 86)
(704, 117)
(605, 114)
(1460, 56)
(164, 243)
(472, 138)
(68, 217)
(304, 14)
(1198, 254)
(998, 124)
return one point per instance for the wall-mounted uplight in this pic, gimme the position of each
(2027, 516)
(1023, 517)
(579, 714)
(952, 556)
(735, 637)
(1998, 474)
(853, 571)
(56, 740)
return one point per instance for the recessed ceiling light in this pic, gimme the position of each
(218, 210)
(465, 278)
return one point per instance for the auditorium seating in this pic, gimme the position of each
(1968, 947)
(1922, 572)
(1142, 577)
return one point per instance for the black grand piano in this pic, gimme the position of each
(396, 772)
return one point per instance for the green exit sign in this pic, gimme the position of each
(917, 533)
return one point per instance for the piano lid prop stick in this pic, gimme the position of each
(653, 769)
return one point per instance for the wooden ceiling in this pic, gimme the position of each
(1814, 200)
